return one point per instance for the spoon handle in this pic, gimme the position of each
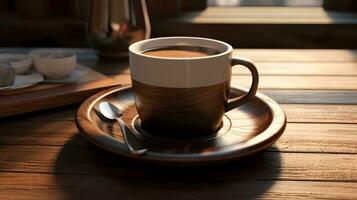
(126, 136)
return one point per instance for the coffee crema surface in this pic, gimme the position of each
(181, 52)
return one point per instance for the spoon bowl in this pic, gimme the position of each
(112, 112)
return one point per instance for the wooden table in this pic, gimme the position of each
(43, 157)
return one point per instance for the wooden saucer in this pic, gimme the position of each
(246, 130)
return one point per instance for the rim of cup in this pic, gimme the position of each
(137, 46)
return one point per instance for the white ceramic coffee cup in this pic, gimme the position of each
(184, 94)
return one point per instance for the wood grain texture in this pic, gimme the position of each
(51, 97)
(300, 82)
(43, 157)
(88, 160)
(246, 130)
(318, 138)
(63, 187)
(302, 68)
(342, 97)
(345, 114)
(203, 106)
(298, 137)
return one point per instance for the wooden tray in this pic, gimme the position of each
(49, 95)
(246, 130)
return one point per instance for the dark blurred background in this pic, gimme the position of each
(243, 23)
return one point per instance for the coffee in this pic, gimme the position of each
(181, 52)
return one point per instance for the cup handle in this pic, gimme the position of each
(237, 101)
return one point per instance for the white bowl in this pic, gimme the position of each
(20, 62)
(55, 65)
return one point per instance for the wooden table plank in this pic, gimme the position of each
(302, 68)
(65, 113)
(298, 137)
(51, 139)
(345, 114)
(32, 127)
(86, 187)
(10, 192)
(312, 96)
(92, 161)
(318, 138)
(300, 82)
(73, 189)
(298, 55)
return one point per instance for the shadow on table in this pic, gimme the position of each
(85, 171)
